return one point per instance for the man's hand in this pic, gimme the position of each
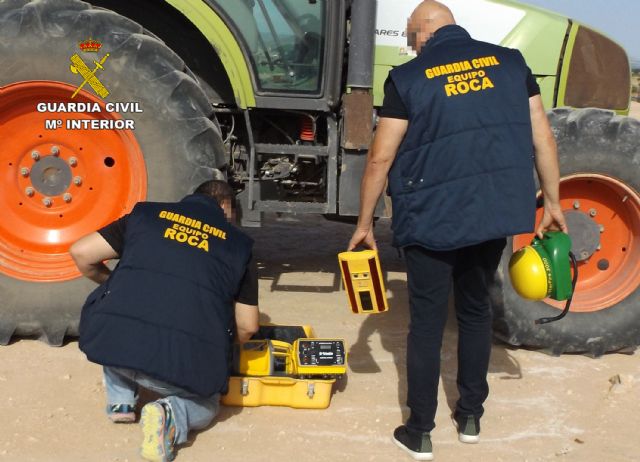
(363, 236)
(552, 219)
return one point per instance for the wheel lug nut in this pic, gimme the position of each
(576, 205)
(24, 171)
(77, 180)
(30, 191)
(73, 161)
(593, 212)
(47, 202)
(67, 197)
(55, 150)
(35, 155)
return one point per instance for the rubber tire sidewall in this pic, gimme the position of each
(589, 141)
(181, 144)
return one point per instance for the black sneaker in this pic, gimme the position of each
(416, 444)
(468, 428)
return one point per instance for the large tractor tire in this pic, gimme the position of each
(600, 168)
(57, 185)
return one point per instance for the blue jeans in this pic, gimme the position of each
(190, 411)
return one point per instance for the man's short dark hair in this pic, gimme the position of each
(219, 190)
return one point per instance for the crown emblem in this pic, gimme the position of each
(90, 45)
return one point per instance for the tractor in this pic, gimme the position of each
(108, 103)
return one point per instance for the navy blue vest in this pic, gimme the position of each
(167, 309)
(464, 171)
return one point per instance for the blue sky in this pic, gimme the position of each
(617, 19)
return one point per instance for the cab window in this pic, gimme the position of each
(285, 40)
(599, 74)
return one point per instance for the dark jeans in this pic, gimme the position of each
(429, 277)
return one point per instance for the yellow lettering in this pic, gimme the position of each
(181, 219)
(193, 240)
(476, 63)
(163, 214)
(475, 85)
(181, 237)
(487, 83)
(450, 69)
(204, 245)
(463, 88)
(169, 233)
(451, 89)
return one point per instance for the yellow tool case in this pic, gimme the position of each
(279, 391)
(285, 366)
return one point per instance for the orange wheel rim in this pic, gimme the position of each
(608, 271)
(58, 184)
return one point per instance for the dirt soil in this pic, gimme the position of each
(634, 110)
(541, 408)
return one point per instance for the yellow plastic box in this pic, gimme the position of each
(278, 391)
(257, 383)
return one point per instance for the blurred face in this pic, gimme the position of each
(418, 33)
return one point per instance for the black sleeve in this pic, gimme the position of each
(114, 234)
(532, 86)
(248, 292)
(392, 106)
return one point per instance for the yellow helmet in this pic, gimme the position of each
(530, 278)
(543, 269)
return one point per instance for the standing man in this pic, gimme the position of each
(458, 131)
(164, 318)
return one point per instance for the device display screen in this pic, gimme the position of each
(321, 352)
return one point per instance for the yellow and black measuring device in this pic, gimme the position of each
(300, 358)
(362, 278)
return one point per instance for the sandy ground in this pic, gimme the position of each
(541, 408)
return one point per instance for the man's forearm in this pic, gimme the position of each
(97, 272)
(389, 135)
(373, 183)
(549, 174)
(546, 153)
(244, 335)
(247, 321)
